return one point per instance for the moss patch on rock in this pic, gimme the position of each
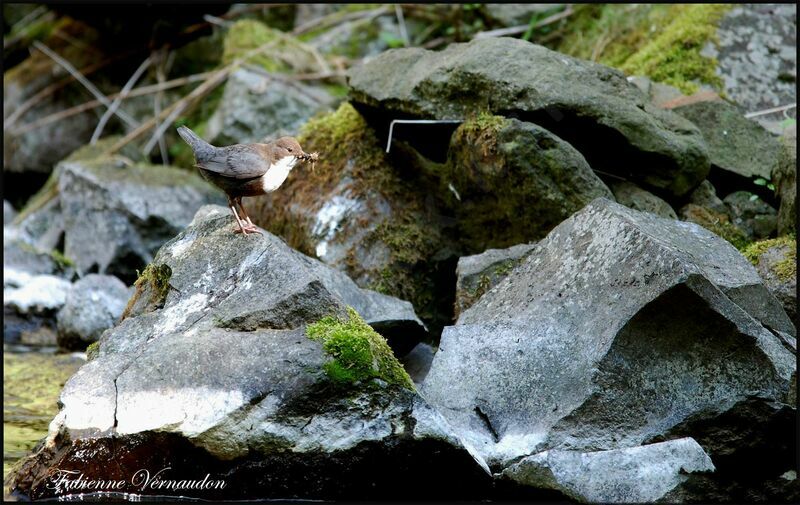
(717, 223)
(786, 268)
(92, 351)
(359, 353)
(150, 290)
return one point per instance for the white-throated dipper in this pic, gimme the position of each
(245, 169)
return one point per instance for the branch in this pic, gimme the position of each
(118, 100)
(80, 78)
(515, 30)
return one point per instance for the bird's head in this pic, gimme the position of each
(288, 146)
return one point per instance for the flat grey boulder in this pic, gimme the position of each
(632, 475)
(255, 106)
(117, 214)
(618, 328)
(93, 305)
(591, 106)
(478, 273)
(735, 143)
(240, 356)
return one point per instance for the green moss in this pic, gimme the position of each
(786, 268)
(246, 35)
(153, 281)
(673, 57)
(92, 351)
(359, 353)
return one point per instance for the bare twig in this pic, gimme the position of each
(118, 100)
(88, 85)
(44, 93)
(28, 19)
(437, 42)
(161, 77)
(338, 17)
(771, 111)
(144, 90)
(516, 30)
(398, 11)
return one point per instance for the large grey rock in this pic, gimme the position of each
(705, 195)
(570, 97)
(255, 106)
(618, 329)
(93, 304)
(776, 263)
(756, 55)
(541, 178)
(116, 214)
(784, 176)
(224, 377)
(735, 144)
(631, 195)
(30, 304)
(632, 475)
(477, 274)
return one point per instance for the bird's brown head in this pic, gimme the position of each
(288, 146)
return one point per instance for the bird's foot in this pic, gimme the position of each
(247, 229)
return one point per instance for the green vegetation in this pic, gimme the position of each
(154, 282)
(719, 224)
(786, 268)
(359, 353)
(92, 351)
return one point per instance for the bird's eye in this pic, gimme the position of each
(289, 149)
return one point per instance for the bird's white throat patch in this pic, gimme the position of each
(277, 173)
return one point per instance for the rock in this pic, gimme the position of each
(619, 329)
(30, 303)
(253, 370)
(631, 195)
(418, 362)
(360, 38)
(784, 176)
(477, 274)
(756, 55)
(519, 14)
(753, 215)
(567, 96)
(658, 93)
(8, 213)
(776, 263)
(255, 106)
(20, 254)
(542, 180)
(360, 215)
(93, 304)
(735, 144)
(116, 215)
(706, 196)
(632, 475)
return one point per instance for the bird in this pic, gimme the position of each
(246, 169)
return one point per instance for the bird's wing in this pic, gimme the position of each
(238, 162)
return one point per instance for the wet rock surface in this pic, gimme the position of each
(571, 334)
(560, 93)
(274, 397)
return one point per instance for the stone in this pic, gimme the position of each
(116, 214)
(735, 144)
(569, 97)
(658, 93)
(477, 274)
(93, 305)
(542, 180)
(418, 362)
(784, 177)
(642, 474)
(621, 329)
(776, 263)
(30, 303)
(753, 215)
(251, 368)
(8, 213)
(360, 38)
(631, 195)
(706, 196)
(718, 222)
(255, 107)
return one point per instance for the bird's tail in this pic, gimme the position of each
(194, 141)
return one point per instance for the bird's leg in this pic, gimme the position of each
(241, 229)
(250, 226)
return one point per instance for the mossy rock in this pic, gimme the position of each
(776, 263)
(360, 355)
(716, 222)
(285, 53)
(150, 290)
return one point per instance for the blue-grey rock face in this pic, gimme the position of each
(93, 305)
(619, 328)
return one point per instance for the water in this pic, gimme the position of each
(32, 381)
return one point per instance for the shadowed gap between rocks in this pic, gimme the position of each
(727, 182)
